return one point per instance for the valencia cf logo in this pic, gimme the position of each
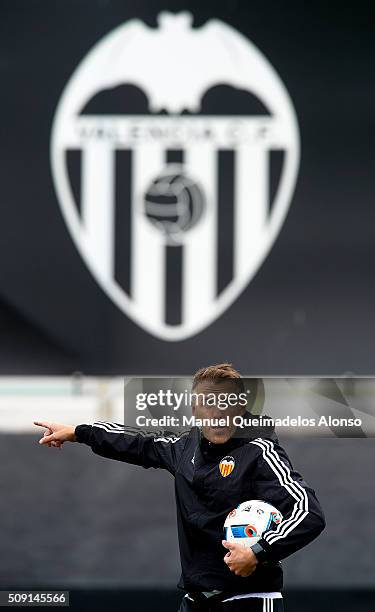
(226, 466)
(174, 154)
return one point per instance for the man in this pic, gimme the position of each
(217, 575)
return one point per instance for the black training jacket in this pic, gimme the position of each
(204, 497)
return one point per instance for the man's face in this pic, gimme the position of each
(207, 405)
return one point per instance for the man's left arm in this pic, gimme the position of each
(277, 483)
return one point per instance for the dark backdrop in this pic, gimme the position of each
(309, 309)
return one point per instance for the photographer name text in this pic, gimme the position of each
(242, 422)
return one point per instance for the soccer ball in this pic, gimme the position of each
(174, 202)
(246, 523)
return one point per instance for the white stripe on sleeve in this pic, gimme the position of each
(282, 471)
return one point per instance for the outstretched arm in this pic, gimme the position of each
(115, 441)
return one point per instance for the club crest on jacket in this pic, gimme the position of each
(226, 466)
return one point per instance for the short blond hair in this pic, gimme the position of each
(218, 373)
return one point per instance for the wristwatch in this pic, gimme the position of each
(260, 553)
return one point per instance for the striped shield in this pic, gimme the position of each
(174, 212)
(226, 466)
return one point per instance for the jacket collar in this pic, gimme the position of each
(240, 437)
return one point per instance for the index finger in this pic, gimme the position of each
(43, 424)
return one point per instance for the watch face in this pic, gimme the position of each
(259, 552)
(257, 548)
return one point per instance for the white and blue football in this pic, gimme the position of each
(247, 523)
